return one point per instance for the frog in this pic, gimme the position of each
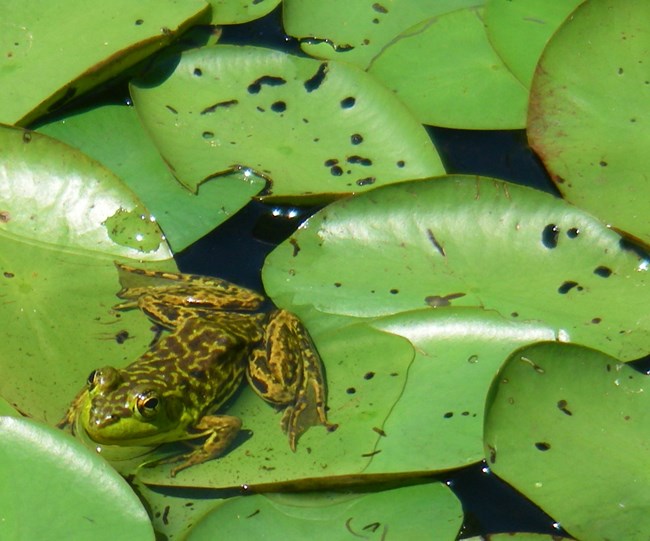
(212, 335)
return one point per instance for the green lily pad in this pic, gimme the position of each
(114, 136)
(519, 31)
(43, 64)
(437, 423)
(308, 126)
(356, 32)
(589, 103)
(428, 511)
(566, 426)
(240, 11)
(460, 81)
(65, 219)
(467, 241)
(518, 537)
(62, 490)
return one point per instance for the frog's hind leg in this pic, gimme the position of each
(286, 371)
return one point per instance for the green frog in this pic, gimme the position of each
(216, 334)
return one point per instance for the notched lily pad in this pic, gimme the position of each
(308, 126)
(566, 426)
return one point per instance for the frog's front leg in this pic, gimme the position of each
(286, 371)
(219, 430)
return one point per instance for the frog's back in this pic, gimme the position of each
(200, 362)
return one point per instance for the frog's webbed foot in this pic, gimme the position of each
(287, 371)
(220, 431)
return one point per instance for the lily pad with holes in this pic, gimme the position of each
(446, 71)
(428, 511)
(467, 241)
(61, 488)
(64, 220)
(566, 426)
(589, 105)
(308, 126)
(114, 136)
(54, 52)
(357, 32)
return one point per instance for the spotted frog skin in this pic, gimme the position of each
(173, 391)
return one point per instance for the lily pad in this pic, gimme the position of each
(61, 488)
(428, 511)
(114, 136)
(308, 126)
(65, 219)
(43, 66)
(468, 241)
(566, 425)
(519, 31)
(589, 104)
(458, 351)
(240, 11)
(356, 32)
(447, 72)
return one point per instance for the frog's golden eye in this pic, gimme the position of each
(147, 404)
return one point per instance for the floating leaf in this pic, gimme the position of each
(459, 81)
(240, 11)
(309, 126)
(114, 136)
(566, 426)
(519, 31)
(52, 52)
(467, 241)
(356, 32)
(588, 110)
(428, 511)
(61, 490)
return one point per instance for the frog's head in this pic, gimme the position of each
(120, 410)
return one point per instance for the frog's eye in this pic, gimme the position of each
(91, 379)
(147, 404)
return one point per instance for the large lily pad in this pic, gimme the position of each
(588, 110)
(60, 490)
(114, 136)
(308, 126)
(52, 52)
(447, 72)
(428, 511)
(566, 426)
(468, 241)
(64, 220)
